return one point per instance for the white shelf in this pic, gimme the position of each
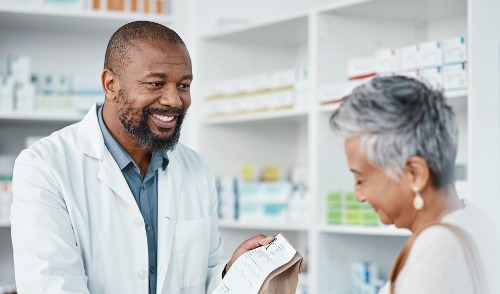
(291, 30)
(4, 223)
(14, 17)
(398, 9)
(328, 107)
(364, 230)
(270, 115)
(41, 117)
(262, 226)
(455, 94)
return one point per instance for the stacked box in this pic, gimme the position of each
(343, 208)
(334, 207)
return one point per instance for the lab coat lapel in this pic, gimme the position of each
(169, 190)
(111, 175)
(91, 143)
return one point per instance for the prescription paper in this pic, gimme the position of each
(250, 270)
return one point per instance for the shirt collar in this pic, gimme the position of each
(122, 158)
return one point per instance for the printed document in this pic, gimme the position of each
(250, 270)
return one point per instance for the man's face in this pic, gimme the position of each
(154, 93)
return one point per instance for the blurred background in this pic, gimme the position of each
(268, 75)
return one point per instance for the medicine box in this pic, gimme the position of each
(283, 79)
(454, 50)
(361, 67)
(432, 76)
(408, 59)
(455, 77)
(430, 54)
(387, 61)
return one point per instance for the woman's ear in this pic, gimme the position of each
(418, 172)
(110, 84)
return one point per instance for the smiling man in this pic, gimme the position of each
(114, 204)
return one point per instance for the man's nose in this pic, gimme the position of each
(170, 97)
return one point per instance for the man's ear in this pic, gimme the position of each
(110, 84)
(418, 172)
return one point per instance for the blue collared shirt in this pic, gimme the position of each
(145, 191)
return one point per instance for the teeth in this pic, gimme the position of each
(163, 118)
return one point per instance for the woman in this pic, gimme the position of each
(401, 144)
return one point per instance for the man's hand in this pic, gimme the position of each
(248, 245)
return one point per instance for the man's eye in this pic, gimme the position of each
(184, 86)
(156, 84)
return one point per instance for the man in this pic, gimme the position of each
(113, 204)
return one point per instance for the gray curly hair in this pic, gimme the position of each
(397, 117)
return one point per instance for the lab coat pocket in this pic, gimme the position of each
(192, 243)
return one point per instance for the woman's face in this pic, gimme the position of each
(391, 200)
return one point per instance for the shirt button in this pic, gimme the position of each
(148, 227)
(142, 187)
(152, 270)
(142, 274)
(139, 222)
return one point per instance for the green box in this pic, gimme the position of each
(353, 217)
(370, 218)
(334, 216)
(334, 199)
(351, 202)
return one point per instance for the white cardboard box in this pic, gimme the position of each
(455, 77)
(432, 76)
(360, 67)
(454, 50)
(430, 54)
(283, 78)
(387, 60)
(408, 59)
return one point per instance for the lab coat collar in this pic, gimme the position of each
(90, 139)
(91, 143)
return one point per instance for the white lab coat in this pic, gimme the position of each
(76, 227)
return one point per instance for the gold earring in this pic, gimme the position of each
(418, 201)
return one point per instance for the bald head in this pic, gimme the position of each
(117, 52)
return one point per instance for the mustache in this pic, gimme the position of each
(164, 111)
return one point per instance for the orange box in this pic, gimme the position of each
(116, 5)
(160, 7)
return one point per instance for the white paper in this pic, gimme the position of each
(249, 271)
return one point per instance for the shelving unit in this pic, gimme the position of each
(318, 39)
(4, 224)
(321, 40)
(262, 226)
(363, 230)
(40, 117)
(271, 115)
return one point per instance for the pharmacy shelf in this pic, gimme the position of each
(397, 9)
(262, 226)
(291, 30)
(328, 107)
(41, 117)
(4, 223)
(270, 115)
(364, 230)
(17, 17)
